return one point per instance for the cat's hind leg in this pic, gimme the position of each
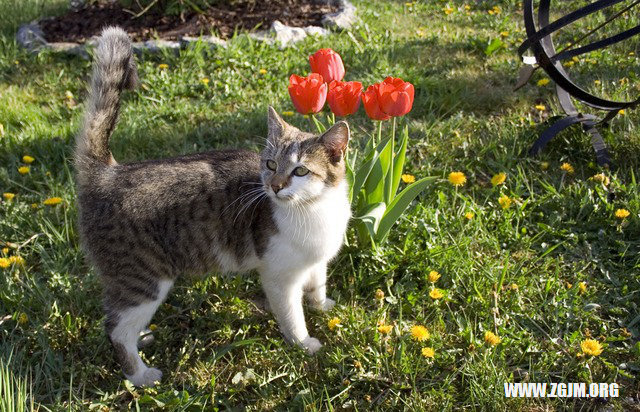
(126, 319)
(316, 288)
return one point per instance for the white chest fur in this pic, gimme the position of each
(311, 233)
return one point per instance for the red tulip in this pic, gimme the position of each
(327, 63)
(371, 103)
(344, 97)
(395, 96)
(308, 93)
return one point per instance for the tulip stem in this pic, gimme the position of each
(390, 177)
(375, 143)
(317, 123)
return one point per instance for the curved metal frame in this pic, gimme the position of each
(540, 43)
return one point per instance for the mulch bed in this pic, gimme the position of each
(223, 19)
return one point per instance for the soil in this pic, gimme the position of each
(223, 19)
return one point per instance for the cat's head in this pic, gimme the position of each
(300, 167)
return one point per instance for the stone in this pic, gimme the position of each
(211, 40)
(30, 37)
(344, 18)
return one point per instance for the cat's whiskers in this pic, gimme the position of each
(246, 194)
(247, 204)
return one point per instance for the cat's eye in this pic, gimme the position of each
(300, 171)
(271, 165)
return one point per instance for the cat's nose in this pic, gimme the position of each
(276, 187)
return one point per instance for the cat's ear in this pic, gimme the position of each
(335, 140)
(275, 125)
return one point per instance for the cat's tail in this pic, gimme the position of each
(114, 70)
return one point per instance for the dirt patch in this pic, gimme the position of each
(222, 20)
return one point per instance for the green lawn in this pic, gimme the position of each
(554, 269)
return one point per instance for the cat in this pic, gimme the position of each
(283, 212)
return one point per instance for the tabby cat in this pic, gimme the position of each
(283, 213)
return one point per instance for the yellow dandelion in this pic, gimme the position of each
(434, 276)
(52, 201)
(504, 33)
(23, 170)
(153, 327)
(591, 347)
(498, 179)
(163, 66)
(457, 178)
(379, 294)
(582, 287)
(469, 215)
(205, 80)
(28, 159)
(622, 213)
(8, 196)
(428, 352)
(288, 113)
(408, 178)
(570, 63)
(491, 338)
(4, 262)
(436, 294)
(601, 178)
(467, 7)
(505, 201)
(5, 250)
(34, 205)
(544, 165)
(18, 260)
(621, 111)
(385, 329)
(333, 323)
(543, 82)
(568, 285)
(263, 71)
(420, 333)
(566, 167)
(513, 286)
(23, 318)
(597, 82)
(541, 107)
(68, 95)
(448, 10)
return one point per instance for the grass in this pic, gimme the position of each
(515, 272)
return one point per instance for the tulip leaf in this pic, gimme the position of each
(398, 164)
(374, 185)
(388, 180)
(399, 205)
(362, 174)
(371, 217)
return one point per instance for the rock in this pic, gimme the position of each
(76, 5)
(286, 35)
(316, 31)
(211, 40)
(344, 18)
(69, 48)
(30, 37)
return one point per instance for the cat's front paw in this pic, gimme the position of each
(146, 377)
(311, 345)
(325, 306)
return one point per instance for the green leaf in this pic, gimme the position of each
(398, 163)
(374, 185)
(493, 46)
(371, 217)
(398, 206)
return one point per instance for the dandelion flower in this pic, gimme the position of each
(288, 113)
(34, 205)
(28, 159)
(491, 338)
(5, 250)
(23, 170)
(567, 168)
(498, 179)
(597, 82)
(543, 82)
(420, 333)
(469, 215)
(582, 287)
(622, 213)
(505, 201)
(8, 196)
(541, 107)
(467, 7)
(153, 327)
(601, 178)
(621, 111)
(544, 165)
(504, 33)
(23, 318)
(513, 286)
(4, 263)
(436, 294)
(52, 201)
(163, 66)
(408, 178)
(205, 80)
(385, 329)
(379, 294)
(18, 260)
(428, 352)
(448, 10)
(333, 323)
(591, 347)
(68, 95)
(457, 178)
(263, 71)
(433, 276)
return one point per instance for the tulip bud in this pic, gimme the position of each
(344, 97)
(328, 63)
(308, 94)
